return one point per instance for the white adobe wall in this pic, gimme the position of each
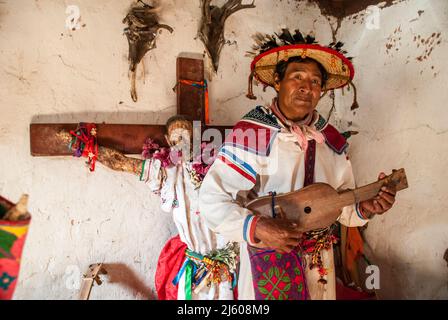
(402, 122)
(50, 74)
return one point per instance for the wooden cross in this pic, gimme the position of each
(129, 138)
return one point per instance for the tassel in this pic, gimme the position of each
(133, 89)
(250, 89)
(324, 94)
(355, 104)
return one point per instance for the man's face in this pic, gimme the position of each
(299, 91)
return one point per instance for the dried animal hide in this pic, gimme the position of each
(213, 19)
(141, 32)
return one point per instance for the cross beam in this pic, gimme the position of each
(129, 138)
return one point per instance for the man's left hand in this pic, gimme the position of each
(382, 202)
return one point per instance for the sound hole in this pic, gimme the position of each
(307, 210)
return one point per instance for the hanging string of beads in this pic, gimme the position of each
(313, 242)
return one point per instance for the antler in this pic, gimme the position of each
(211, 31)
(206, 10)
(233, 6)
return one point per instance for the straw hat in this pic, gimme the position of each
(270, 50)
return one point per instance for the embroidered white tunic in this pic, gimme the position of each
(277, 165)
(179, 196)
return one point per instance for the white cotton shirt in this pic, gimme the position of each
(180, 197)
(282, 170)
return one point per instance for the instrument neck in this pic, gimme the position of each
(367, 192)
(349, 197)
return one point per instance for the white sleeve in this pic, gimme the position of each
(160, 181)
(233, 171)
(350, 215)
(152, 174)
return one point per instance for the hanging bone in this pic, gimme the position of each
(213, 19)
(143, 25)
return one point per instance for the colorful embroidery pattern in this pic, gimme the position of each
(254, 133)
(5, 281)
(334, 139)
(12, 239)
(277, 276)
(313, 242)
(320, 123)
(240, 166)
(260, 114)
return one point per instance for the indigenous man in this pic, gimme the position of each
(196, 264)
(282, 148)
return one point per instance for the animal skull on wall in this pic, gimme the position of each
(211, 30)
(141, 33)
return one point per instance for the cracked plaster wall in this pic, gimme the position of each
(401, 77)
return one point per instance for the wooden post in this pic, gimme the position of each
(190, 99)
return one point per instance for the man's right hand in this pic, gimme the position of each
(279, 234)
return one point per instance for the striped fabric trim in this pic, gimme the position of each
(262, 116)
(338, 151)
(252, 150)
(358, 212)
(249, 229)
(334, 139)
(252, 136)
(253, 224)
(143, 170)
(262, 124)
(243, 168)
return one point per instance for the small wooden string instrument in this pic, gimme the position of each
(319, 205)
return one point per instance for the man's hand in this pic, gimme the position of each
(382, 202)
(278, 234)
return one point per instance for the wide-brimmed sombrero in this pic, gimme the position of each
(269, 50)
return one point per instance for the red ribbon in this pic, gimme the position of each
(86, 143)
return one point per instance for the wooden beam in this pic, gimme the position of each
(126, 138)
